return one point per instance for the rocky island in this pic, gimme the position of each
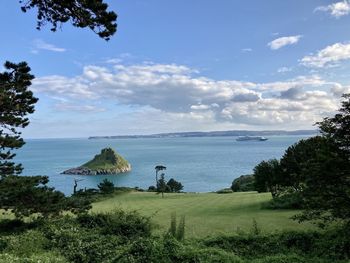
(107, 162)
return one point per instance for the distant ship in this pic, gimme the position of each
(251, 138)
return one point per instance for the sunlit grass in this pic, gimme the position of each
(207, 214)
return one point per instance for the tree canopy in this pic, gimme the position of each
(25, 195)
(16, 102)
(266, 176)
(327, 176)
(92, 14)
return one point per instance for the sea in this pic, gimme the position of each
(201, 164)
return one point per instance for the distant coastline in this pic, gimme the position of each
(211, 134)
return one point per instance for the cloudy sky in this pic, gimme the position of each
(182, 65)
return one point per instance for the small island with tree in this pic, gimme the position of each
(107, 162)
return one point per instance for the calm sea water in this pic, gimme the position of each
(200, 164)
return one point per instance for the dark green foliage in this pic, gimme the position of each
(152, 188)
(106, 187)
(162, 186)
(96, 238)
(266, 176)
(286, 199)
(159, 168)
(338, 127)
(26, 195)
(326, 193)
(244, 183)
(17, 226)
(16, 102)
(255, 230)
(297, 158)
(3, 245)
(174, 186)
(119, 223)
(177, 231)
(172, 229)
(224, 191)
(180, 233)
(79, 244)
(92, 14)
(328, 246)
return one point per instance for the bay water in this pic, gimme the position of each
(201, 164)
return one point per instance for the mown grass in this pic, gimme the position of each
(207, 214)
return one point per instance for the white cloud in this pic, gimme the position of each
(64, 106)
(284, 41)
(328, 56)
(284, 70)
(175, 92)
(336, 10)
(245, 50)
(40, 44)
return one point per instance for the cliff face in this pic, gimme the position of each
(107, 162)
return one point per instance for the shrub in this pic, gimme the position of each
(152, 188)
(244, 183)
(224, 191)
(42, 258)
(106, 187)
(26, 244)
(119, 222)
(207, 255)
(177, 232)
(174, 186)
(288, 199)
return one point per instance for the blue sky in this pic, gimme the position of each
(185, 66)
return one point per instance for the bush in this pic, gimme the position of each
(119, 222)
(224, 191)
(329, 245)
(26, 244)
(244, 183)
(174, 186)
(286, 200)
(152, 188)
(106, 187)
(207, 255)
(42, 258)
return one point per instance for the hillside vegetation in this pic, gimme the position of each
(109, 160)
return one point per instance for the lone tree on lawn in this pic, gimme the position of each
(158, 168)
(162, 185)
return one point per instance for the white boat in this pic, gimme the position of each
(251, 138)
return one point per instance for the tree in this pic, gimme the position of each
(297, 158)
(27, 195)
(92, 14)
(337, 128)
(174, 186)
(244, 183)
(106, 187)
(266, 176)
(16, 102)
(159, 168)
(327, 184)
(162, 186)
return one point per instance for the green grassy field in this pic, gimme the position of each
(206, 214)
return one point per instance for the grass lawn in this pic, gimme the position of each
(207, 214)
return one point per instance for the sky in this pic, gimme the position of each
(172, 66)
